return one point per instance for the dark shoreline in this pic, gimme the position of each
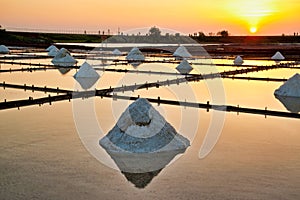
(247, 46)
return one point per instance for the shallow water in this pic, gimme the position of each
(43, 157)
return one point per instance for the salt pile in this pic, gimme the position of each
(86, 71)
(143, 141)
(62, 53)
(86, 76)
(53, 52)
(63, 58)
(117, 52)
(4, 49)
(135, 54)
(278, 56)
(238, 60)
(184, 67)
(182, 52)
(50, 48)
(291, 88)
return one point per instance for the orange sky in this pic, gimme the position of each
(187, 16)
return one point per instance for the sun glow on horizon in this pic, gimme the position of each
(254, 13)
(253, 30)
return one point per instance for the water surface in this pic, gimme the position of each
(43, 157)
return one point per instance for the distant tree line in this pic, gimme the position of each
(154, 35)
(223, 33)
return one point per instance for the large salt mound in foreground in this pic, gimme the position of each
(142, 141)
(291, 88)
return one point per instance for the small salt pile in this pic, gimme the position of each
(117, 52)
(135, 54)
(63, 58)
(4, 49)
(86, 76)
(238, 60)
(50, 48)
(184, 67)
(53, 52)
(182, 52)
(291, 88)
(278, 56)
(86, 71)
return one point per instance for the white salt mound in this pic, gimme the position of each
(141, 129)
(63, 58)
(62, 53)
(53, 52)
(278, 56)
(4, 49)
(135, 54)
(182, 52)
(65, 61)
(50, 48)
(184, 67)
(238, 60)
(291, 88)
(142, 141)
(86, 71)
(117, 52)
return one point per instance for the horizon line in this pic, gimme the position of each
(109, 32)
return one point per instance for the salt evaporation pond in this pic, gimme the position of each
(43, 157)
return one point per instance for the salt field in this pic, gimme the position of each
(240, 140)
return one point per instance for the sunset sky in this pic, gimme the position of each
(239, 17)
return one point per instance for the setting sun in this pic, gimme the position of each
(253, 13)
(253, 29)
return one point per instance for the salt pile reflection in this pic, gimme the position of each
(292, 104)
(184, 67)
